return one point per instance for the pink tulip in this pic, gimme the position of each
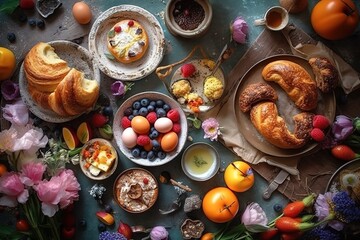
(239, 30)
(32, 173)
(13, 190)
(71, 186)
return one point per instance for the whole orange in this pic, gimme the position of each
(220, 205)
(239, 176)
(7, 63)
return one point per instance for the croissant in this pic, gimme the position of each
(326, 75)
(295, 81)
(255, 93)
(272, 127)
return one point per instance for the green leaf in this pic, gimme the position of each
(8, 6)
(109, 56)
(199, 161)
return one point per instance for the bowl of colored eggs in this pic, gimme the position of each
(150, 128)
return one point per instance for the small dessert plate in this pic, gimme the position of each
(129, 71)
(47, 7)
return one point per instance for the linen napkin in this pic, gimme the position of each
(271, 43)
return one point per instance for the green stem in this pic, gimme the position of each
(54, 229)
(272, 223)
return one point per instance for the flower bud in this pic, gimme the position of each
(342, 127)
(239, 30)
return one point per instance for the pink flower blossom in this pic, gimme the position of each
(13, 190)
(239, 30)
(254, 218)
(159, 233)
(16, 113)
(71, 186)
(323, 210)
(32, 173)
(50, 193)
(211, 128)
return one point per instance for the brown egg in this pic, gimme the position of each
(169, 141)
(140, 125)
(82, 12)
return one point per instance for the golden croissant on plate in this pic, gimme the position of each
(54, 85)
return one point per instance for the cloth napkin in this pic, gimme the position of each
(232, 138)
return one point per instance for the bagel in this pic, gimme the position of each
(255, 93)
(295, 81)
(326, 75)
(127, 41)
(264, 116)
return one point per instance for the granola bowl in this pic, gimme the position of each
(136, 190)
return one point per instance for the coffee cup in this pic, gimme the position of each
(276, 18)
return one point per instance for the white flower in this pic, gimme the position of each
(254, 218)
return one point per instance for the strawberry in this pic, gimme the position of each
(125, 122)
(317, 134)
(344, 152)
(143, 140)
(187, 69)
(151, 117)
(98, 120)
(176, 128)
(26, 4)
(173, 115)
(320, 121)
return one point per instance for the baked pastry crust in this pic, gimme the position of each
(295, 81)
(273, 128)
(326, 75)
(254, 93)
(127, 41)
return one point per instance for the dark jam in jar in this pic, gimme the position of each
(188, 14)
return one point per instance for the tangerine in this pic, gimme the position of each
(239, 176)
(207, 236)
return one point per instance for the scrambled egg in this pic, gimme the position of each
(213, 88)
(181, 88)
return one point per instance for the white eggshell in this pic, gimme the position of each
(163, 125)
(129, 137)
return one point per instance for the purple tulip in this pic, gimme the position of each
(342, 127)
(10, 90)
(118, 88)
(239, 30)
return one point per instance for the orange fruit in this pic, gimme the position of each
(239, 176)
(3, 169)
(207, 236)
(70, 138)
(7, 63)
(84, 132)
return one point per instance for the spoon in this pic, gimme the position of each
(165, 178)
(225, 54)
(176, 204)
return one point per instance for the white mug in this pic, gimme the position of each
(276, 18)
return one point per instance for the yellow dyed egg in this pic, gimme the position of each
(169, 141)
(82, 12)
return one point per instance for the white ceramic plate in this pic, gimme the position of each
(130, 71)
(334, 182)
(117, 129)
(76, 57)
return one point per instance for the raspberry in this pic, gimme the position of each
(320, 121)
(151, 117)
(317, 134)
(117, 29)
(187, 69)
(176, 128)
(143, 140)
(98, 120)
(174, 115)
(125, 122)
(131, 23)
(145, 181)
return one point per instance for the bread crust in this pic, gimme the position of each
(326, 75)
(273, 128)
(295, 81)
(254, 93)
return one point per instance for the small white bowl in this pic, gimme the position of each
(200, 161)
(102, 175)
(176, 30)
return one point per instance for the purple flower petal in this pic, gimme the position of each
(10, 90)
(239, 30)
(118, 88)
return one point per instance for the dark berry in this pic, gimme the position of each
(40, 23)
(153, 103)
(166, 107)
(277, 207)
(136, 105)
(150, 108)
(22, 17)
(107, 111)
(135, 112)
(128, 111)
(143, 111)
(160, 112)
(144, 102)
(32, 22)
(82, 223)
(161, 155)
(156, 145)
(11, 37)
(101, 227)
(130, 117)
(135, 152)
(151, 156)
(159, 103)
(154, 134)
(108, 208)
(143, 154)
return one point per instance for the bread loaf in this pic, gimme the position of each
(326, 75)
(295, 81)
(273, 128)
(255, 93)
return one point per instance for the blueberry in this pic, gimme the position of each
(32, 22)
(160, 113)
(135, 112)
(161, 155)
(130, 117)
(150, 108)
(136, 105)
(128, 111)
(159, 103)
(143, 154)
(82, 223)
(101, 227)
(151, 156)
(108, 208)
(22, 17)
(277, 207)
(154, 134)
(11, 37)
(166, 107)
(152, 103)
(143, 111)
(144, 102)
(107, 111)
(156, 145)
(135, 152)
(40, 23)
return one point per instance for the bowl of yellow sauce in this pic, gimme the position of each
(200, 161)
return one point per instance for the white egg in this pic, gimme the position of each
(129, 137)
(163, 125)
